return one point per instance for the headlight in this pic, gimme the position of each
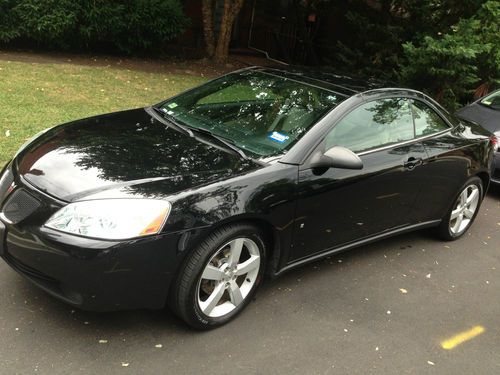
(113, 219)
(27, 143)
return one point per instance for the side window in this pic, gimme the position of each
(372, 125)
(426, 120)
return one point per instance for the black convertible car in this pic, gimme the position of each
(192, 201)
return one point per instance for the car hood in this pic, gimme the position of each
(488, 118)
(123, 154)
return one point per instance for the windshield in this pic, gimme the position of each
(259, 112)
(492, 100)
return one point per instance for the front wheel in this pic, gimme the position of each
(463, 211)
(220, 277)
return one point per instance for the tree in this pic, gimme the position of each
(218, 49)
(453, 64)
(375, 31)
(127, 26)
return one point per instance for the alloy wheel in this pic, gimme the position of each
(228, 277)
(464, 209)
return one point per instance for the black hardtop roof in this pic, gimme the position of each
(339, 83)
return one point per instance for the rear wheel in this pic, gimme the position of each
(220, 277)
(463, 211)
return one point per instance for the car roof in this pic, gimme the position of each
(346, 85)
(326, 79)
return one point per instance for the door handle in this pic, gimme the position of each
(412, 162)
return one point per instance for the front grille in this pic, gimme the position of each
(6, 181)
(19, 205)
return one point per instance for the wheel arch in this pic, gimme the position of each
(485, 179)
(271, 234)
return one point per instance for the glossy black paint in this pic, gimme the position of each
(127, 152)
(306, 212)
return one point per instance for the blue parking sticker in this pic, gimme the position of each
(278, 137)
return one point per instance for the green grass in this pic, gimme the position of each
(35, 96)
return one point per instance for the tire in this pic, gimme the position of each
(213, 286)
(459, 218)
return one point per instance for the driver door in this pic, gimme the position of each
(339, 206)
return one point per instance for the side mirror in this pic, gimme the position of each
(337, 157)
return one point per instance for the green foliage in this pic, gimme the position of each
(488, 61)
(131, 25)
(450, 66)
(47, 21)
(8, 21)
(127, 26)
(152, 21)
(448, 48)
(101, 22)
(375, 34)
(372, 45)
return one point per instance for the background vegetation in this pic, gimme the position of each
(448, 48)
(128, 26)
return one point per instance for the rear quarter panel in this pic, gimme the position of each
(453, 158)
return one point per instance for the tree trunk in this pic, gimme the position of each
(231, 10)
(207, 10)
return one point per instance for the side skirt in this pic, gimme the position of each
(362, 242)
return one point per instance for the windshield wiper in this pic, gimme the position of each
(167, 120)
(223, 140)
(163, 117)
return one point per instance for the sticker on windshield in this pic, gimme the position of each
(278, 137)
(172, 105)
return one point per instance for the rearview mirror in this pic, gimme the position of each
(337, 157)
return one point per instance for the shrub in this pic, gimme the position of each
(453, 65)
(8, 21)
(127, 25)
(48, 21)
(151, 22)
(131, 25)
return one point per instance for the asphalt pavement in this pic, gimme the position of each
(407, 305)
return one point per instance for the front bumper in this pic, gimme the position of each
(90, 274)
(94, 275)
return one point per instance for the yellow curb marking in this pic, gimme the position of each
(462, 337)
